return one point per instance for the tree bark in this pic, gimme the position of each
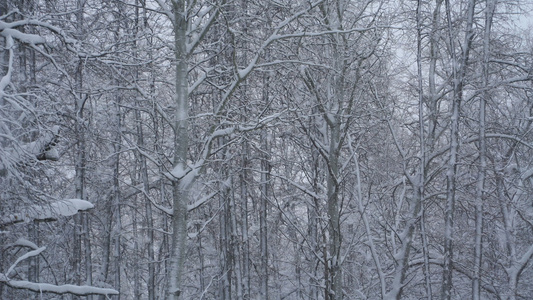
(80, 160)
(244, 177)
(459, 70)
(149, 220)
(263, 229)
(480, 188)
(421, 178)
(180, 191)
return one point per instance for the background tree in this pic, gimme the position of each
(274, 149)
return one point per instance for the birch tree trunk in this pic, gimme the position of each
(180, 191)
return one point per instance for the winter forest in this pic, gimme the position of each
(266, 149)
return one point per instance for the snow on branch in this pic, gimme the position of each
(65, 207)
(23, 257)
(27, 38)
(49, 212)
(82, 290)
(32, 39)
(6, 79)
(22, 242)
(44, 148)
(187, 174)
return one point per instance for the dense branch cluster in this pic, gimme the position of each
(234, 149)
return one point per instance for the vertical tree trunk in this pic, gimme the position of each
(136, 237)
(334, 284)
(117, 209)
(510, 246)
(333, 18)
(4, 59)
(139, 167)
(149, 231)
(33, 266)
(149, 220)
(87, 251)
(180, 191)
(421, 179)
(106, 247)
(244, 176)
(313, 221)
(235, 243)
(116, 194)
(293, 234)
(314, 251)
(480, 194)
(433, 57)
(263, 215)
(202, 261)
(225, 248)
(264, 196)
(264, 189)
(28, 69)
(459, 70)
(81, 148)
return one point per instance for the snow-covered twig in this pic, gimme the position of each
(52, 211)
(80, 290)
(46, 287)
(23, 257)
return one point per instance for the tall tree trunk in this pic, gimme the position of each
(263, 215)
(334, 284)
(459, 71)
(226, 254)
(28, 65)
(108, 240)
(149, 225)
(510, 246)
(116, 194)
(313, 222)
(264, 190)
(421, 179)
(480, 193)
(180, 190)
(80, 160)
(136, 237)
(149, 220)
(235, 242)
(244, 177)
(87, 251)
